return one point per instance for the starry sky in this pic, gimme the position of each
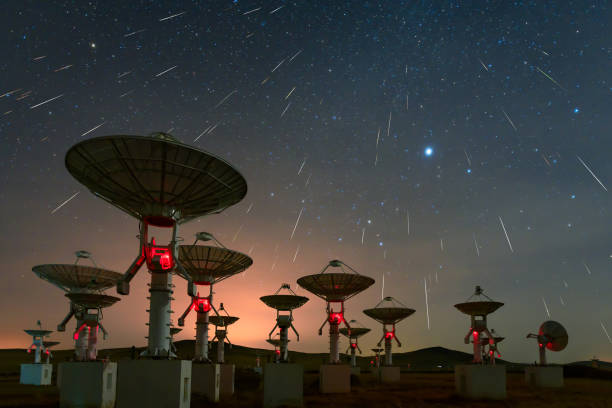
(430, 145)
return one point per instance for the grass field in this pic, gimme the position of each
(414, 390)
(423, 382)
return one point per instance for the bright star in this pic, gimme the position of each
(428, 151)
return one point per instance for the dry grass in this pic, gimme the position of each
(414, 390)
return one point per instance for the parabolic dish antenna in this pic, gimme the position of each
(275, 342)
(92, 300)
(478, 304)
(222, 321)
(38, 332)
(284, 302)
(552, 336)
(48, 344)
(356, 332)
(70, 277)
(155, 177)
(175, 330)
(336, 286)
(555, 334)
(389, 311)
(208, 264)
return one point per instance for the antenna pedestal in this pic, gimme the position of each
(81, 340)
(388, 352)
(36, 374)
(353, 355)
(220, 333)
(548, 377)
(159, 316)
(334, 336)
(480, 381)
(90, 384)
(201, 346)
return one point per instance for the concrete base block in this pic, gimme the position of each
(544, 376)
(481, 381)
(36, 374)
(334, 378)
(283, 385)
(355, 371)
(228, 372)
(206, 380)
(154, 383)
(87, 384)
(389, 374)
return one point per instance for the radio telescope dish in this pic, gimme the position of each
(70, 277)
(38, 332)
(389, 311)
(174, 330)
(284, 302)
(223, 321)
(48, 344)
(356, 332)
(208, 264)
(275, 342)
(155, 177)
(92, 300)
(556, 335)
(552, 336)
(336, 286)
(482, 305)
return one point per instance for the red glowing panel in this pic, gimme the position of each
(202, 305)
(277, 351)
(336, 318)
(491, 352)
(76, 333)
(159, 258)
(353, 345)
(389, 335)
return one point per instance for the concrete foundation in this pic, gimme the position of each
(544, 376)
(87, 384)
(226, 388)
(36, 374)
(206, 380)
(283, 385)
(355, 371)
(389, 374)
(154, 383)
(481, 381)
(334, 378)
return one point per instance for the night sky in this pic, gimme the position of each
(404, 135)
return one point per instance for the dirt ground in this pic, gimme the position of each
(414, 390)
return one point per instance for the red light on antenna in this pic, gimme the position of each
(159, 257)
(353, 345)
(29, 350)
(475, 334)
(202, 305)
(336, 318)
(540, 344)
(277, 352)
(498, 355)
(76, 333)
(389, 335)
(490, 352)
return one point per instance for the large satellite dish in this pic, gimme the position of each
(155, 177)
(336, 286)
(389, 311)
(552, 336)
(223, 321)
(209, 264)
(478, 304)
(92, 300)
(70, 277)
(555, 335)
(284, 302)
